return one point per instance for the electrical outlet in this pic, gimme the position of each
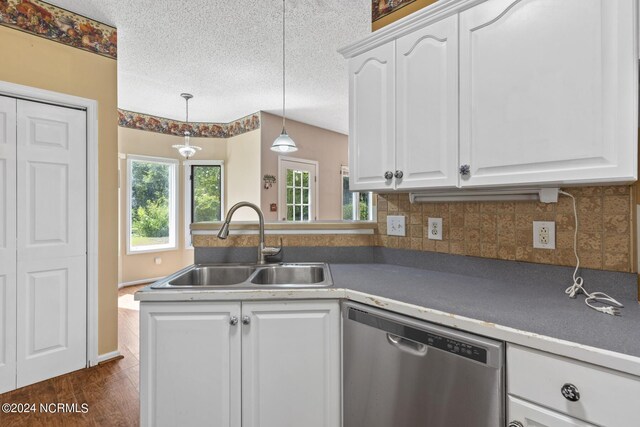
(157, 260)
(544, 234)
(435, 229)
(396, 225)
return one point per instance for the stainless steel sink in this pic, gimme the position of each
(234, 276)
(289, 275)
(207, 275)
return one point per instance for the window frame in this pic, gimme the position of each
(186, 165)
(355, 199)
(173, 203)
(282, 196)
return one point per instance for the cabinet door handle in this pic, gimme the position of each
(570, 392)
(465, 170)
(388, 175)
(399, 175)
(515, 424)
(246, 320)
(233, 320)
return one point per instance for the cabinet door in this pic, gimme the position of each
(372, 118)
(291, 364)
(548, 92)
(189, 364)
(7, 244)
(530, 415)
(427, 106)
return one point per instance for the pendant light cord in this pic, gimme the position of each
(284, 69)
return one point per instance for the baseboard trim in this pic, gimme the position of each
(139, 282)
(107, 356)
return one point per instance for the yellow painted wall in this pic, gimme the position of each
(37, 62)
(400, 13)
(329, 149)
(243, 181)
(141, 266)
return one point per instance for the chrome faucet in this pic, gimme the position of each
(263, 251)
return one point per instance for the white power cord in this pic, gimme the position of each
(594, 300)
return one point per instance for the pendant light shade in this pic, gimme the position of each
(187, 150)
(284, 143)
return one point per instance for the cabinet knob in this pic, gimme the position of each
(570, 392)
(388, 175)
(233, 320)
(399, 175)
(246, 320)
(515, 424)
(465, 170)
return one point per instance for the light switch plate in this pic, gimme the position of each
(434, 229)
(396, 225)
(544, 234)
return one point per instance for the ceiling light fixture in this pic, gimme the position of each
(283, 143)
(187, 150)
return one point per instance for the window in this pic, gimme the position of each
(152, 203)
(297, 190)
(204, 184)
(356, 206)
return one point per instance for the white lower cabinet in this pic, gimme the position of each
(575, 393)
(525, 414)
(267, 364)
(189, 364)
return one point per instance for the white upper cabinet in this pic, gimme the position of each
(496, 93)
(372, 118)
(427, 106)
(548, 92)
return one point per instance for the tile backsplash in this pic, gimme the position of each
(504, 230)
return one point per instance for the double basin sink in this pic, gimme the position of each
(217, 276)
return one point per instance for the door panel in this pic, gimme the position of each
(372, 118)
(548, 91)
(189, 364)
(51, 241)
(427, 106)
(530, 415)
(297, 191)
(291, 364)
(7, 244)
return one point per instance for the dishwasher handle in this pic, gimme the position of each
(408, 346)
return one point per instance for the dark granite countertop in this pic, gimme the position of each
(528, 302)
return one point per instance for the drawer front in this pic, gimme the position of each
(601, 396)
(529, 415)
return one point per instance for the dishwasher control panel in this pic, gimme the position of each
(444, 343)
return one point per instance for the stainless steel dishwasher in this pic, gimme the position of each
(401, 372)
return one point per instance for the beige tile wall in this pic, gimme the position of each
(288, 240)
(504, 230)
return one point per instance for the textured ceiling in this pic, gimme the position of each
(229, 55)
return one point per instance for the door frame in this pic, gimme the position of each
(91, 107)
(316, 196)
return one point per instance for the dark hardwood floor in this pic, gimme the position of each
(110, 389)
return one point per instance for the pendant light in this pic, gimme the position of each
(187, 150)
(283, 143)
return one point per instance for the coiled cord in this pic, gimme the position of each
(598, 301)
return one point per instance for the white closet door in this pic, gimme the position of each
(51, 244)
(7, 244)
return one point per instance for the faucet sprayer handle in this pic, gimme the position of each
(269, 251)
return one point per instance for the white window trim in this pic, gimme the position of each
(316, 197)
(187, 194)
(355, 199)
(173, 205)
